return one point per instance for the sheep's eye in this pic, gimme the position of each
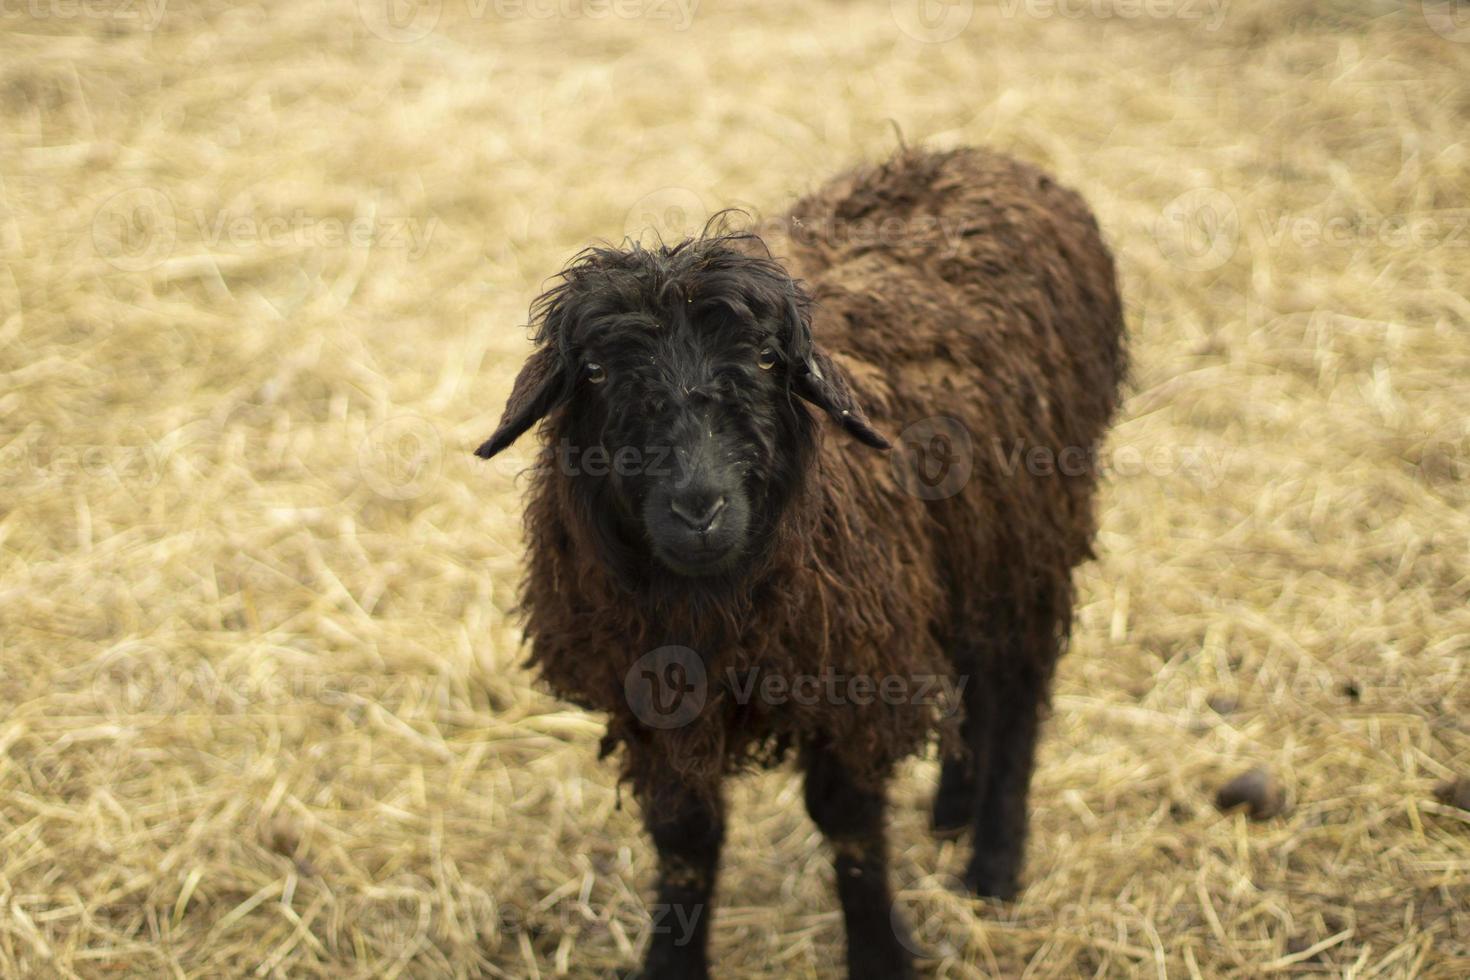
(596, 374)
(767, 358)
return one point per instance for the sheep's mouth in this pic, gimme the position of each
(701, 562)
(696, 535)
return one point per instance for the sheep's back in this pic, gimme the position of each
(970, 286)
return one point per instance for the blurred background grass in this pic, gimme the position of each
(264, 279)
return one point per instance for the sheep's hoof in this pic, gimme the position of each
(993, 883)
(953, 810)
(666, 969)
(905, 971)
(666, 975)
(878, 969)
(954, 800)
(950, 820)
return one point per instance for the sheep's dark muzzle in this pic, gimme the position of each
(697, 529)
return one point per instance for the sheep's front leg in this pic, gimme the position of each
(1001, 818)
(962, 778)
(687, 830)
(851, 818)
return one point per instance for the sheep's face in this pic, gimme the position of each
(669, 376)
(683, 407)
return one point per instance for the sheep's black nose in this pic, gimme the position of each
(697, 513)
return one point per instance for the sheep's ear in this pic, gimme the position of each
(820, 381)
(539, 388)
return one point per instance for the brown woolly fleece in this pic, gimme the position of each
(962, 285)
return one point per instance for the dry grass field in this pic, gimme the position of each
(264, 271)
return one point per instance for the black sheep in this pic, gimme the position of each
(962, 299)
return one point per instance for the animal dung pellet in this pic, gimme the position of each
(1454, 792)
(1256, 790)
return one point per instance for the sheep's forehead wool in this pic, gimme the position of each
(652, 337)
(695, 290)
(672, 320)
